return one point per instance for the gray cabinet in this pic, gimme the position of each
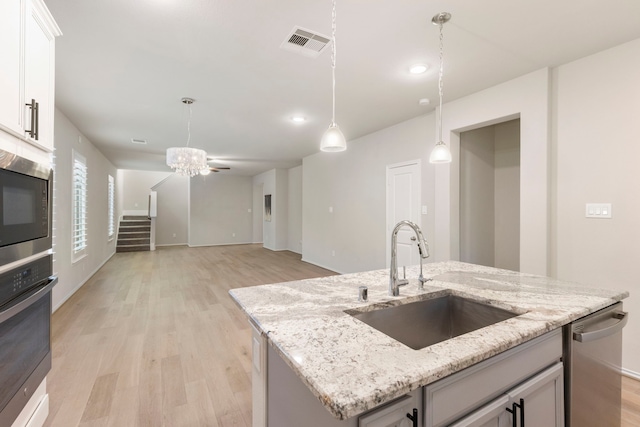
(478, 396)
(459, 395)
(539, 401)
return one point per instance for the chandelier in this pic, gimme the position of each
(187, 161)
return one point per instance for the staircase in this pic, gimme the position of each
(134, 234)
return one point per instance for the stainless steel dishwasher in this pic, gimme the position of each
(593, 359)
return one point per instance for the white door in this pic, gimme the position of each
(403, 203)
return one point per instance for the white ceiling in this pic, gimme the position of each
(122, 67)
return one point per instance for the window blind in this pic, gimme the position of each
(79, 238)
(111, 195)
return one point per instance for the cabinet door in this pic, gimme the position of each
(492, 414)
(10, 70)
(39, 70)
(543, 398)
(393, 414)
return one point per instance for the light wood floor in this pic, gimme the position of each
(153, 339)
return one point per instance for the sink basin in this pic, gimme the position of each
(423, 323)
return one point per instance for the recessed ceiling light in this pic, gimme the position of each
(418, 68)
(138, 141)
(298, 119)
(424, 101)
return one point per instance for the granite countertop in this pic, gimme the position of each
(352, 367)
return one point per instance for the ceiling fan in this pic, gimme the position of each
(215, 168)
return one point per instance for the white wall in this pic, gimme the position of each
(596, 105)
(490, 195)
(173, 207)
(353, 183)
(507, 195)
(274, 232)
(280, 209)
(477, 196)
(136, 187)
(220, 210)
(526, 97)
(100, 249)
(258, 214)
(294, 229)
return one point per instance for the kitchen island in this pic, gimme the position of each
(351, 367)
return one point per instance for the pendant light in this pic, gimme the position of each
(440, 153)
(187, 161)
(333, 139)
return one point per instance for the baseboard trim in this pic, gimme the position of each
(631, 374)
(170, 244)
(74, 290)
(219, 244)
(322, 266)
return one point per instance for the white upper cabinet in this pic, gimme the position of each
(11, 31)
(27, 44)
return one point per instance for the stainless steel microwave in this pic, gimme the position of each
(25, 207)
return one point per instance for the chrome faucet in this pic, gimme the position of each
(423, 247)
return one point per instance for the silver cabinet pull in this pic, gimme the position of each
(601, 333)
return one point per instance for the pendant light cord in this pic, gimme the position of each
(333, 61)
(189, 127)
(440, 81)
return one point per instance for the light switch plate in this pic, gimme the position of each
(598, 210)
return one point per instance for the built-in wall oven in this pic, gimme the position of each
(25, 207)
(25, 333)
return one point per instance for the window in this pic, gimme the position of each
(79, 226)
(111, 226)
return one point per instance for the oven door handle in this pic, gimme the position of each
(35, 296)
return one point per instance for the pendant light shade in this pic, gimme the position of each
(187, 161)
(333, 139)
(441, 152)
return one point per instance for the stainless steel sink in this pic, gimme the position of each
(423, 323)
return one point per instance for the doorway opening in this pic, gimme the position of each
(490, 195)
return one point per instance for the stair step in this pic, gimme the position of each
(136, 217)
(136, 248)
(134, 223)
(134, 235)
(133, 242)
(135, 228)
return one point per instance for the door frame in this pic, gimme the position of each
(389, 227)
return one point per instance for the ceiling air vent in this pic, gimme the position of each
(138, 141)
(305, 42)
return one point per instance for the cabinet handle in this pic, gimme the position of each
(414, 417)
(35, 107)
(37, 120)
(521, 406)
(514, 410)
(514, 417)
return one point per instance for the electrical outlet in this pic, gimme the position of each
(333, 253)
(174, 234)
(233, 234)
